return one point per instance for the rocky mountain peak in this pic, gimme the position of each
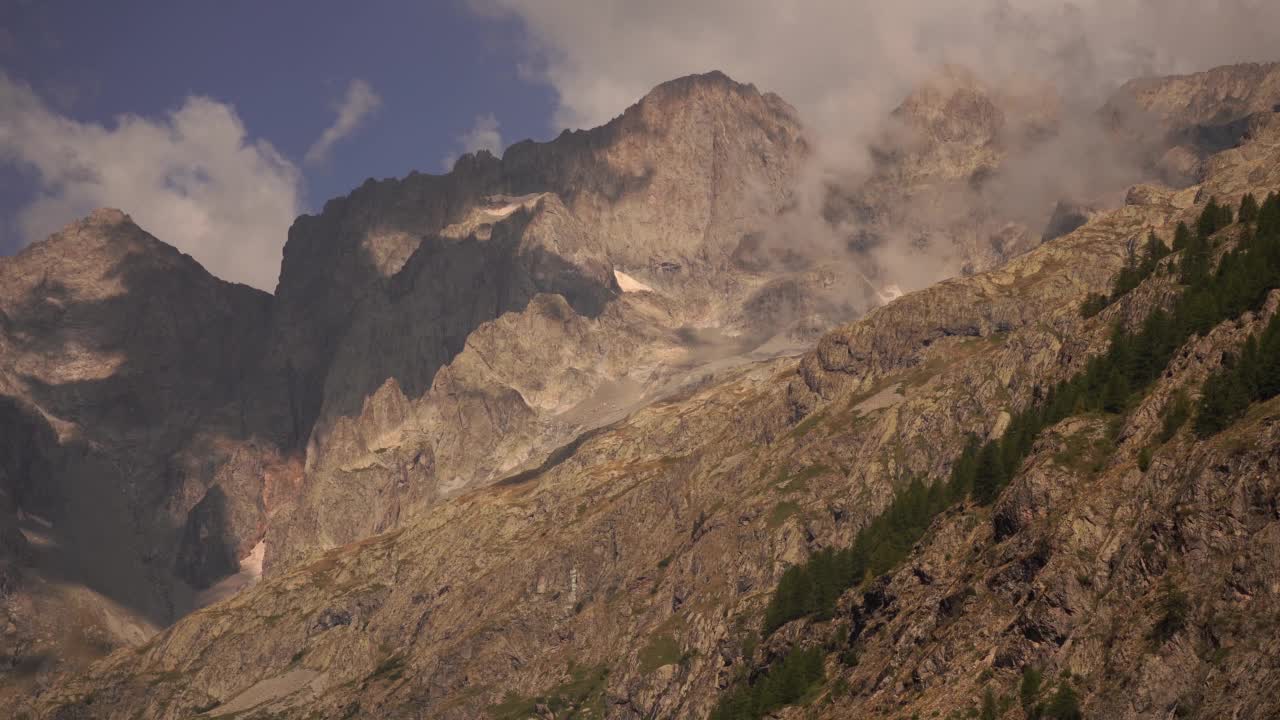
(716, 91)
(1212, 97)
(956, 123)
(1193, 116)
(107, 216)
(535, 434)
(952, 105)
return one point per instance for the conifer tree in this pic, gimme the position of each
(1064, 705)
(1248, 208)
(1115, 394)
(990, 474)
(1268, 374)
(1181, 237)
(1029, 688)
(1154, 251)
(989, 710)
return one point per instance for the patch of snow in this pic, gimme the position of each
(630, 284)
(252, 565)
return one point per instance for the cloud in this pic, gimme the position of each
(845, 63)
(359, 102)
(483, 135)
(193, 178)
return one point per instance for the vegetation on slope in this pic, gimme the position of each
(786, 682)
(1109, 383)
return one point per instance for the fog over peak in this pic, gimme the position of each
(1044, 67)
(845, 64)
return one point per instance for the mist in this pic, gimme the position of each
(846, 66)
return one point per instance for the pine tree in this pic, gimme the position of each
(1248, 208)
(990, 475)
(1195, 260)
(1064, 705)
(989, 710)
(1269, 216)
(964, 473)
(1222, 401)
(1155, 251)
(1206, 224)
(1213, 218)
(1175, 414)
(1181, 237)
(1115, 394)
(1029, 688)
(1174, 607)
(1094, 303)
(1268, 375)
(1250, 368)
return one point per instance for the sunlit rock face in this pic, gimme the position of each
(690, 195)
(626, 574)
(551, 406)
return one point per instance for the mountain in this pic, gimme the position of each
(493, 295)
(530, 439)
(1179, 122)
(170, 436)
(140, 461)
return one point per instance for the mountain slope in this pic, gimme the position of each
(179, 433)
(518, 440)
(628, 576)
(139, 453)
(690, 193)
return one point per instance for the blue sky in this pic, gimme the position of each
(283, 66)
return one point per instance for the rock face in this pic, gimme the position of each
(164, 428)
(931, 207)
(492, 297)
(137, 446)
(526, 436)
(686, 193)
(666, 192)
(623, 572)
(1180, 121)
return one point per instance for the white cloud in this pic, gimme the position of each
(193, 178)
(359, 102)
(483, 135)
(845, 63)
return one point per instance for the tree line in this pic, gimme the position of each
(786, 682)
(1109, 383)
(1248, 273)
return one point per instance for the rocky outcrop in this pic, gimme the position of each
(1180, 121)
(667, 190)
(437, 265)
(1067, 573)
(129, 402)
(935, 203)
